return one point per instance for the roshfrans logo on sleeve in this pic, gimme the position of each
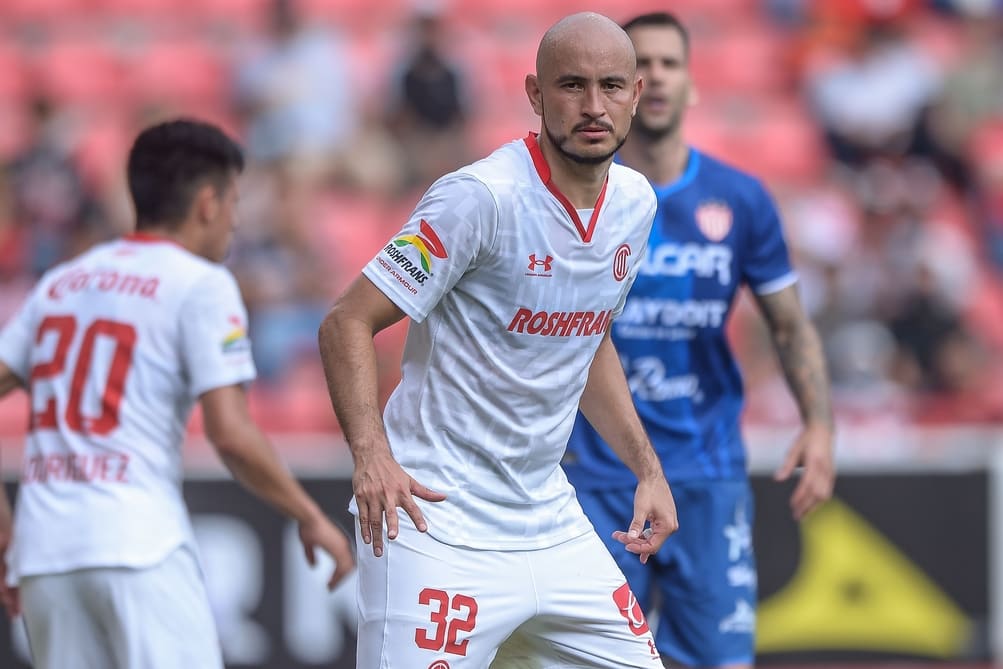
(236, 339)
(427, 243)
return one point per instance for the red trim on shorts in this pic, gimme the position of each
(543, 169)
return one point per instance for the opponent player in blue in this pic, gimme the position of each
(716, 229)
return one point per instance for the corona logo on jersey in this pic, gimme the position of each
(560, 323)
(630, 609)
(106, 281)
(236, 339)
(427, 243)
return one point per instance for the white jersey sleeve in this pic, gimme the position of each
(215, 345)
(425, 260)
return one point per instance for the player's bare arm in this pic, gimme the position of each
(380, 484)
(8, 380)
(251, 459)
(799, 350)
(8, 596)
(607, 404)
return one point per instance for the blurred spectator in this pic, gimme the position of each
(13, 237)
(923, 325)
(969, 390)
(285, 282)
(295, 93)
(49, 199)
(428, 114)
(986, 156)
(862, 355)
(972, 95)
(870, 99)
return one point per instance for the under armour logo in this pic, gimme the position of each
(546, 263)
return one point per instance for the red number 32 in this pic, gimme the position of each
(124, 337)
(444, 636)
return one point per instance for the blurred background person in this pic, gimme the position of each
(295, 92)
(428, 113)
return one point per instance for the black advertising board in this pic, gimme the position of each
(896, 567)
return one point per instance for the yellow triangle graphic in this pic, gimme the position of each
(854, 590)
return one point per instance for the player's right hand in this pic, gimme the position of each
(653, 504)
(380, 486)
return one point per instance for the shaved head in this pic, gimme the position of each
(585, 89)
(599, 34)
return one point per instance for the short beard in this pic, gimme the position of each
(558, 143)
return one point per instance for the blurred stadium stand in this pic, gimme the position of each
(106, 67)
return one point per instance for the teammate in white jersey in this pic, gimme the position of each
(114, 348)
(510, 270)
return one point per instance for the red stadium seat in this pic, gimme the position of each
(135, 10)
(180, 73)
(14, 76)
(786, 144)
(102, 149)
(86, 73)
(354, 228)
(356, 15)
(15, 128)
(43, 11)
(773, 140)
(749, 60)
(247, 15)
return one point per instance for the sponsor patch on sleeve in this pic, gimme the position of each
(236, 339)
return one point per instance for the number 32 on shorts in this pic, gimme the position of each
(451, 616)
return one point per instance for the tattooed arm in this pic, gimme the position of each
(800, 352)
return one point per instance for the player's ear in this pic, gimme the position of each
(206, 203)
(692, 95)
(534, 93)
(638, 87)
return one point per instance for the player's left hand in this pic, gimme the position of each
(10, 596)
(653, 504)
(812, 450)
(321, 532)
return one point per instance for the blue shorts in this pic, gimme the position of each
(702, 583)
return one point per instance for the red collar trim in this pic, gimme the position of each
(543, 169)
(148, 238)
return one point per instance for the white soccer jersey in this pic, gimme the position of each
(116, 346)
(510, 291)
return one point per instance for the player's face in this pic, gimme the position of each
(586, 99)
(223, 221)
(668, 89)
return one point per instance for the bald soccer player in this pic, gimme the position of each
(511, 270)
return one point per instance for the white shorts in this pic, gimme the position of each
(429, 604)
(115, 617)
